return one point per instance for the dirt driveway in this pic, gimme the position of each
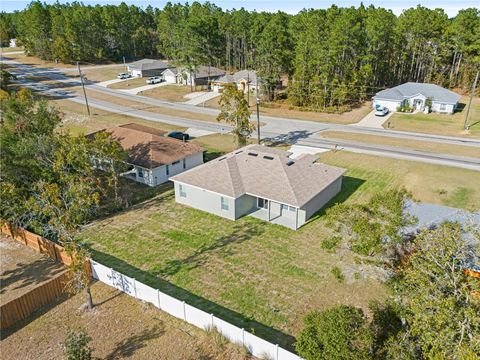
(22, 268)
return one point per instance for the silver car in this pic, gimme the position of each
(154, 80)
(381, 111)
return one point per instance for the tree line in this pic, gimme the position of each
(332, 58)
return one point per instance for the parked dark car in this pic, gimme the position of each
(179, 135)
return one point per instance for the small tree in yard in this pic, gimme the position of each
(234, 111)
(76, 345)
(341, 332)
(80, 277)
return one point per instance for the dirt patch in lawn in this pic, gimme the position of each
(22, 269)
(120, 327)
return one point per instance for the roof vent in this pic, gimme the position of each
(223, 158)
(238, 152)
(252, 154)
(268, 157)
(290, 162)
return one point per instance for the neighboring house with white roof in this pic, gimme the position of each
(416, 94)
(246, 80)
(153, 158)
(148, 67)
(262, 182)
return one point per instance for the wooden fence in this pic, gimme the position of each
(37, 243)
(24, 305)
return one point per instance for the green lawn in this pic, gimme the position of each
(442, 124)
(258, 275)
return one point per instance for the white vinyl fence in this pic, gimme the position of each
(180, 309)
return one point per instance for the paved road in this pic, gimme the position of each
(276, 129)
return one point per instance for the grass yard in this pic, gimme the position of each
(282, 110)
(128, 84)
(441, 124)
(427, 183)
(76, 120)
(6, 50)
(429, 146)
(168, 92)
(260, 276)
(120, 326)
(101, 74)
(150, 108)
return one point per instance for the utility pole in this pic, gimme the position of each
(83, 87)
(248, 88)
(474, 87)
(258, 111)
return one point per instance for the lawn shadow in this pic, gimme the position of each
(32, 273)
(128, 347)
(155, 280)
(349, 186)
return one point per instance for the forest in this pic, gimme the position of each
(332, 58)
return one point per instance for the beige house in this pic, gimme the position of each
(262, 182)
(153, 158)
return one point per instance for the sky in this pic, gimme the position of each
(451, 7)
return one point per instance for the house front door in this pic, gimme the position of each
(418, 104)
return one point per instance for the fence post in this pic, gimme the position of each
(243, 337)
(135, 287)
(276, 355)
(184, 311)
(158, 296)
(211, 316)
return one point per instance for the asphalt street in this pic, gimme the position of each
(277, 129)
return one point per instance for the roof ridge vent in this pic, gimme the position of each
(268, 157)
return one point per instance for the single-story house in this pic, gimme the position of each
(153, 157)
(246, 80)
(201, 76)
(416, 94)
(148, 67)
(262, 182)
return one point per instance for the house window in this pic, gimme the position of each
(140, 173)
(184, 164)
(168, 170)
(262, 203)
(443, 107)
(284, 207)
(291, 208)
(183, 193)
(224, 203)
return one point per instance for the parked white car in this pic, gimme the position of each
(381, 111)
(154, 80)
(124, 75)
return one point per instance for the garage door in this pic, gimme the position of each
(390, 105)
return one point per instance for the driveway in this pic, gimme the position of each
(200, 97)
(372, 121)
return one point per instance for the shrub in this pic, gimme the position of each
(76, 345)
(331, 243)
(337, 273)
(341, 332)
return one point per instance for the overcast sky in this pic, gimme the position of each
(451, 7)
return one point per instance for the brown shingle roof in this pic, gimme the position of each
(263, 172)
(148, 147)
